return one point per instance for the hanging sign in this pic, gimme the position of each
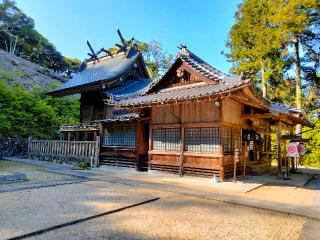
(301, 149)
(292, 150)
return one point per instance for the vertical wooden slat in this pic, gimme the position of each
(278, 135)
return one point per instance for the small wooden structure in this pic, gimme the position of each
(100, 81)
(87, 151)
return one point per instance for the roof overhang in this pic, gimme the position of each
(175, 100)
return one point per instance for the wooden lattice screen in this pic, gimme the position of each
(166, 139)
(231, 136)
(202, 139)
(121, 135)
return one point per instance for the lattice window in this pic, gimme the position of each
(266, 147)
(231, 137)
(202, 139)
(227, 140)
(121, 135)
(166, 139)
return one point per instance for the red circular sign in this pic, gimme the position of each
(292, 149)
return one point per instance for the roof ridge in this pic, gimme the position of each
(185, 52)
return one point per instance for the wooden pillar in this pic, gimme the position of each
(279, 158)
(138, 129)
(29, 147)
(150, 143)
(68, 136)
(181, 170)
(245, 155)
(97, 155)
(77, 136)
(236, 159)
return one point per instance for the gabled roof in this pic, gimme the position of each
(200, 65)
(105, 70)
(181, 93)
(218, 83)
(297, 114)
(197, 64)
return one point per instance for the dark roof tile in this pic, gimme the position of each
(107, 68)
(181, 93)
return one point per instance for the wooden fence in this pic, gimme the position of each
(65, 150)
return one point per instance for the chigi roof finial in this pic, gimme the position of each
(183, 50)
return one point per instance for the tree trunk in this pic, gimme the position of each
(298, 78)
(263, 80)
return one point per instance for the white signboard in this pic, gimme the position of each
(292, 149)
(301, 149)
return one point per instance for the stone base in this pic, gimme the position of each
(8, 177)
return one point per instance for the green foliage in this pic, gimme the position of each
(83, 165)
(9, 74)
(73, 64)
(261, 44)
(254, 44)
(18, 36)
(312, 158)
(157, 60)
(278, 41)
(33, 114)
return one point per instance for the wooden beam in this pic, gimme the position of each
(257, 115)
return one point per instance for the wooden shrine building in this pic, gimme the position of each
(189, 122)
(199, 116)
(99, 81)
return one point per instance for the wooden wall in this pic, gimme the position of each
(91, 107)
(231, 111)
(194, 112)
(168, 114)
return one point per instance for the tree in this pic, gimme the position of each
(157, 60)
(33, 113)
(292, 54)
(298, 20)
(13, 25)
(254, 44)
(18, 36)
(73, 65)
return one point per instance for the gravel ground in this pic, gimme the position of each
(34, 174)
(34, 209)
(283, 194)
(174, 216)
(181, 217)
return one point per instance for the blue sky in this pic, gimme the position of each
(202, 25)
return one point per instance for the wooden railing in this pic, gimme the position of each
(65, 150)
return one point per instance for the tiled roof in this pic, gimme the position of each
(107, 68)
(200, 65)
(128, 87)
(196, 63)
(277, 107)
(192, 91)
(120, 115)
(295, 112)
(124, 114)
